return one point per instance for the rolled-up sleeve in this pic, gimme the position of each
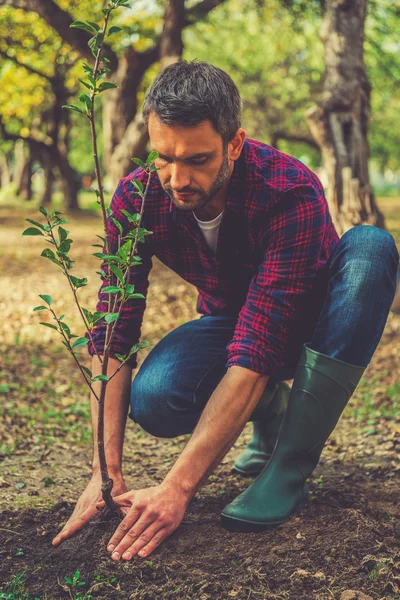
(128, 327)
(292, 243)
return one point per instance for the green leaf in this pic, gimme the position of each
(121, 357)
(114, 29)
(80, 342)
(131, 218)
(117, 225)
(140, 163)
(83, 25)
(152, 157)
(85, 83)
(108, 211)
(32, 231)
(47, 299)
(100, 378)
(49, 325)
(111, 289)
(88, 69)
(136, 296)
(138, 185)
(77, 282)
(94, 25)
(47, 253)
(36, 223)
(64, 247)
(106, 85)
(66, 329)
(106, 60)
(43, 211)
(98, 315)
(40, 308)
(118, 272)
(62, 234)
(86, 101)
(125, 250)
(73, 107)
(87, 371)
(111, 317)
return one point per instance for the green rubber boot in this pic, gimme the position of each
(321, 389)
(265, 431)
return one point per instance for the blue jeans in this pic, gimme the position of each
(178, 376)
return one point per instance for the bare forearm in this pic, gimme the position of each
(115, 413)
(221, 423)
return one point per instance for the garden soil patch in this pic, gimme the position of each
(343, 543)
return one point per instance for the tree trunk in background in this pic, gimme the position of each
(20, 158)
(134, 135)
(5, 171)
(70, 182)
(339, 124)
(24, 174)
(48, 169)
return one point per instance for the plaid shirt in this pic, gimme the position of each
(275, 236)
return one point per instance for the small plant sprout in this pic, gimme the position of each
(115, 268)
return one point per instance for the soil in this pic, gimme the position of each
(346, 538)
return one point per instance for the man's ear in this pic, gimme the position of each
(236, 144)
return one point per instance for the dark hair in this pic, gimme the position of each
(188, 93)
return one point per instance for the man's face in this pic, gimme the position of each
(193, 163)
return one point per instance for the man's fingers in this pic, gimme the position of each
(146, 542)
(74, 525)
(130, 528)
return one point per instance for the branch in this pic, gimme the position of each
(60, 21)
(284, 135)
(201, 10)
(36, 144)
(49, 78)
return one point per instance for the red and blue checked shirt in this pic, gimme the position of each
(275, 237)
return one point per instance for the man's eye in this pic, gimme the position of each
(199, 162)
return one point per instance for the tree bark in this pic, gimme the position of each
(48, 182)
(339, 123)
(124, 132)
(5, 171)
(135, 136)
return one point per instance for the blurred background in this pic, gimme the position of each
(286, 56)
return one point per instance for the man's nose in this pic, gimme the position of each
(180, 178)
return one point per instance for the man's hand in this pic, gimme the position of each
(85, 508)
(151, 515)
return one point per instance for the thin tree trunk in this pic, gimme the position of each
(70, 181)
(339, 124)
(134, 135)
(5, 171)
(24, 185)
(48, 182)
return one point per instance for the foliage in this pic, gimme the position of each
(276, 66)
(116, 267)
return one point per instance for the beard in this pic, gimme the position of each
(204, 197)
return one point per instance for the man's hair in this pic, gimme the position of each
(188, 93)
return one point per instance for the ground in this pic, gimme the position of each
(345, 538)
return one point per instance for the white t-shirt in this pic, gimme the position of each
(210, 231)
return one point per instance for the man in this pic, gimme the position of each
(281, 297)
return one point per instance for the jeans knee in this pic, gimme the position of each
(155, 410)
(372, 243)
